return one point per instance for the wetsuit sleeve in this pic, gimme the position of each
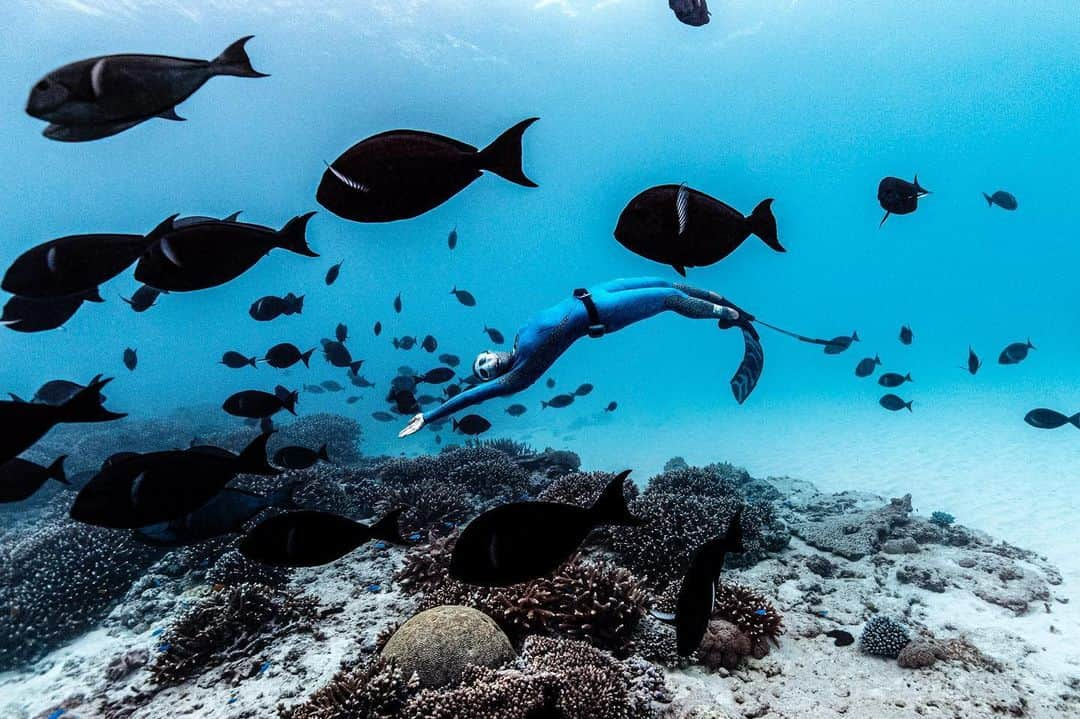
(505, 385)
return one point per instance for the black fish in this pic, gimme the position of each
(95, 98)
(842, 638)
(19, 479)
(520, 541)
(973, 363)
(341, 332)
(450, 360)
(675, 225)
(471, 424)
(75, 264)
(314, 389)
(361, 382)
(582, 390)
(58, 391)
(906, 335)
(1015, 353)
(405, 402)
(439, 375)
(430, 344)
(1050, 419)
(235, 360)
(377, 329)
(353, 399)
(294, 457)
(694, 605)
(209, 254)
(383, 416)
(404, 173)
(331, 386)
(612, 406)
(338, 355)
(226, 513)
(26, 314)
(270, 308)
(899, 197)
(258, 404)
(516, 410)
(199, 220)
(452, 390)
(464, 297)
(451, 239)
(838, 344)
(550, 382)
(893, 403)
(333, 272)
(558, 401)
(143, 299)
(1002, 199)
(308, 538)
(285, 355)
(894, 379)
(690, 12)
(131, 360)
(495, 335)
(397, 305)
(405, 343)
(145, 489)
(866, 366)
(426, 399)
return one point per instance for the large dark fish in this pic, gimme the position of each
(308, 538)
(675, 225)
(295, 457)
(19, 479)
(690, 12)
(209, 254)
(333, 273)
(839, 344)
(973, 362)
(145, 489)
(906, 335)
(143, 298)
(404, 173)
(439, 375)
(235, 360)
(95, 98)
(520, 541)
(26, 314)
(131, 359)
(257, 404)
(894, 379)
(1015, 353)
(694, 605)
(285, 355)
(58, 391)
(899, 197)
(464, 297)
(1043, 418)
(893, 403)
(471, 424)
(866, 366)
(225, 513)
(338, 355)
(558, 401)
(1002, 199)
(270, 308)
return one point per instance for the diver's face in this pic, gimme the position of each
(489, 365)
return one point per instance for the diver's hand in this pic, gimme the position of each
(414, 425)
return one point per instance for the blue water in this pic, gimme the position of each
(808, 102)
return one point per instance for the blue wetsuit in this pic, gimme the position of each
(619, 303)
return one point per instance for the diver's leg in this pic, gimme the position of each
(700, 309)
(701, 294)
(632, 283)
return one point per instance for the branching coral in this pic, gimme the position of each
(583, 488)
(508, 447)
(341, 435)
(233, 568)
(373, 690)
(752, 613)
(432, 510)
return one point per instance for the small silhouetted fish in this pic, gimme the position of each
(438, 375)
(894, 379)
(309, 538)
(452, 390)
(258, 404)
(270, 307)
(26, 314)
(840, 637)
(516, 410)
(331, 386)
(58, 391)
(338, 355)
(906, 335)
(383, 416)
(866, 366)
(495, 335)
(143, 299)
(397, 304)
(102, 96)
(352, 399)
(612, 406)
(1015, 353)
(1050, 419)
(583, 389)
(403, 173)
(1002, 199)
(694, 13)
(559, 400)
(893, 403)
(131, 360)
(19, 479)
(471, 424)
(838, 344)
(430, 344)
(426, 399)
(973, 362)
(678, 226)
(74, 264)
(550, 382)
(450, 360)
(295, 457)
(314, 389)
(464, 297)
(332, 273)
(451, 239)
(226, 513)
(377, 329)
(899, 197)
(285, 355)
(235, 360)
(361, 382)
(341, 332)
(404, 401)
(404, 343)
(520, 541)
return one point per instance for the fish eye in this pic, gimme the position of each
(42, 86)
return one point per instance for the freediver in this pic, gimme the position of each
(594, 312)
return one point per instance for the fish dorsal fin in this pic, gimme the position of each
(97, 78)
(170, 114)
(346, 180)
(682, 206)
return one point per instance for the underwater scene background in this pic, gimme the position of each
(810, 103)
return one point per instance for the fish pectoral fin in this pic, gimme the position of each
(665, 617)
(170, 114)
(682, 206)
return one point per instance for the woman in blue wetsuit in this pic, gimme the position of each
(592, 313)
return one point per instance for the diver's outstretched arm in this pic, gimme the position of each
(505, 385)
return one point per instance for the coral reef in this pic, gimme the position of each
(852, 535)
(752, 613)
(942, 519)
(723, 646)
(507, 446)
(340, 434)
(376, 689)
(883, 637)
(233, 568)
(583, 488)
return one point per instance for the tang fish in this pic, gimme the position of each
(404, 343)
(20, 479)
(377, 329)
(397, 305)
(838, 344)
(439, 375)
(257, 404)
(893, 403)
(1043, 418)
(866, 366)
(451, 239)
(1002, 199)
(309, 538)
(58, 391)
(331, 386)
(906, 335)
(75, 264)
(612, 406)
(450, 360)
(225, 513)
(1015, 353)
(690, 12)
(471, 424)
(235, 360)
(341, 332)
(131, 359)
(285, 355)
(558, 401)
(494, 335)
(270, 308)
(464, 297)
(333, 273)
(294, 457)
(143, 298)
(582, 390)
(338, 355)
(516, 410)
(430, 344)
(382, 416)
(894, 379)
(899, 197)
(973, 362)
(26, 314)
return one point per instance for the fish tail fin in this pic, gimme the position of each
(908, 405)
(989, 200)
(251, 361)
(355, 367)
(877, 358)
(306, 357)
(855, 336)
(610, 507)
(907, 377)
(252, 459)
(503, 155)
(56, 470)
(454, 425)
(235, 61)
(1075, 420)
(322, 454)
(543, 404)
(85, 405)
(762, 223)
(298, 305)
(292, 236)
(387, 529)
(1030, 346)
